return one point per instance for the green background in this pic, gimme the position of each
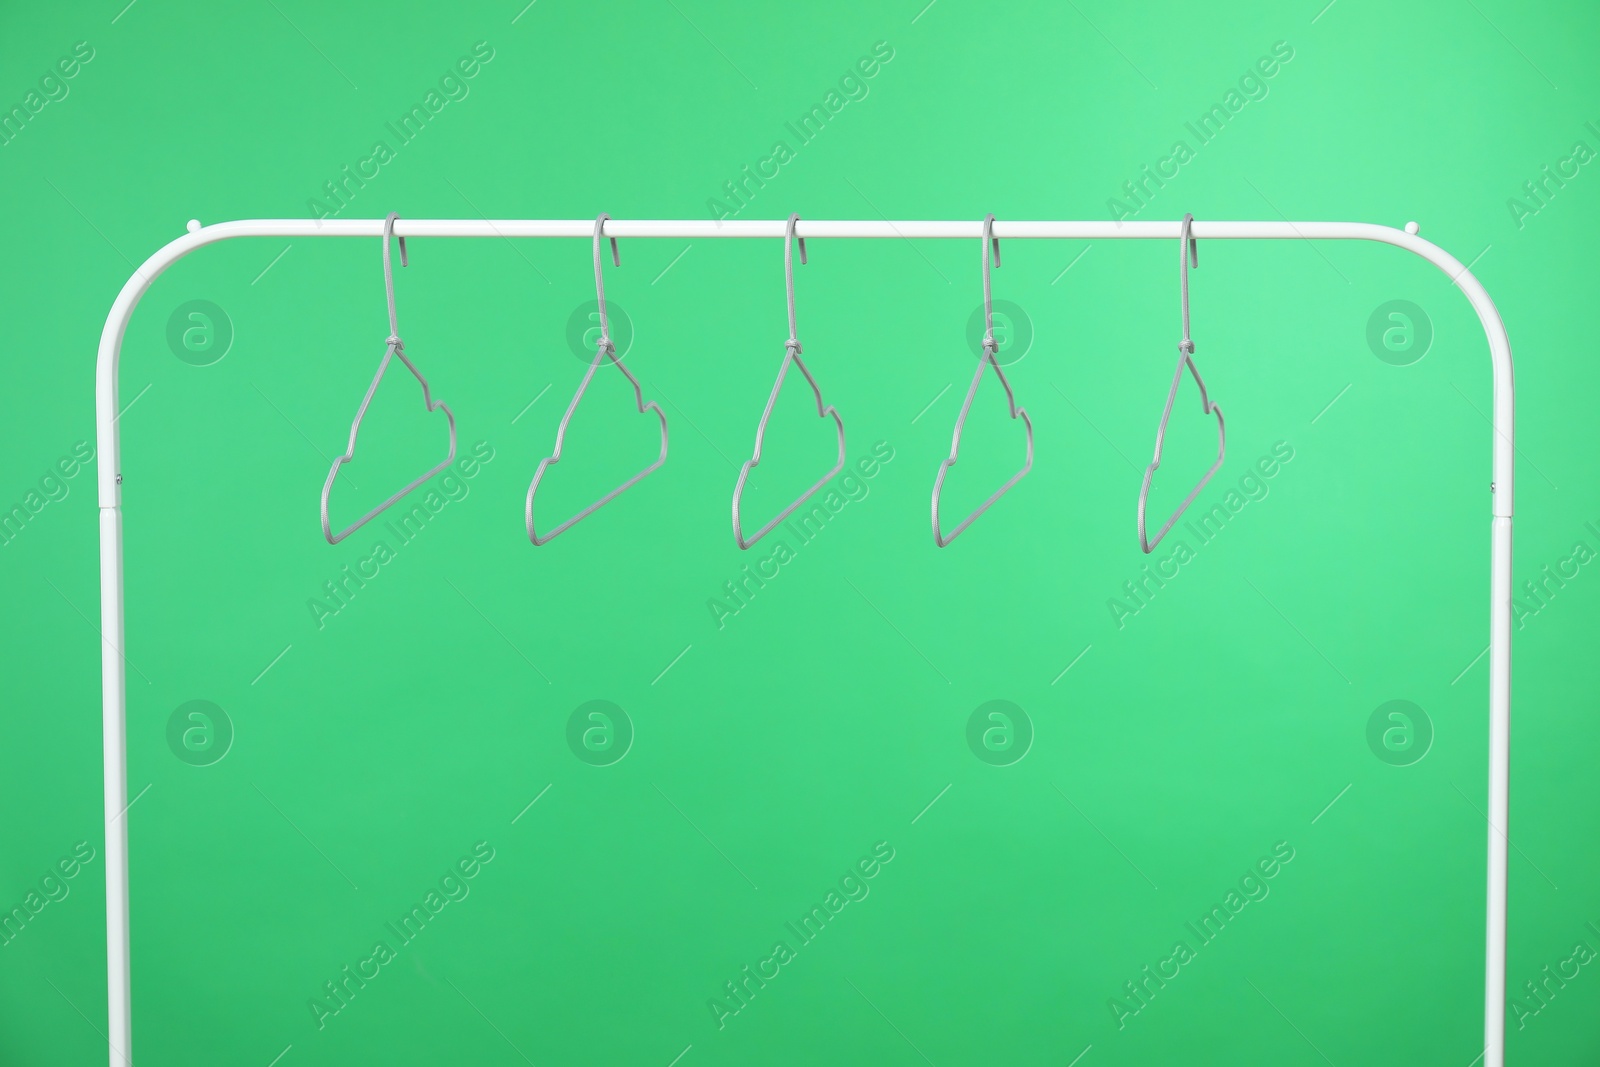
(1226, 718)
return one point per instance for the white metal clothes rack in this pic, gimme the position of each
(110, 479)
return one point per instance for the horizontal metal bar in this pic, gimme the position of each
(695, 229)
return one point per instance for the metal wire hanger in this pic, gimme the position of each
(1188, 253)
(990, 347)
(791, 354)
(394, 347)
(604, 350)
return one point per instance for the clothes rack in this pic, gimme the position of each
(110, 494)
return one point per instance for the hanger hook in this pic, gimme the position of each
(789, 239)
(990, 241)
(388, 275)
(599, 282)
(1188, 255)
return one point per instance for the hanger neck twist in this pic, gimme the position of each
(600, 282)
(1188, 254)
(388, 278)
(789, 239)
(990, 241)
